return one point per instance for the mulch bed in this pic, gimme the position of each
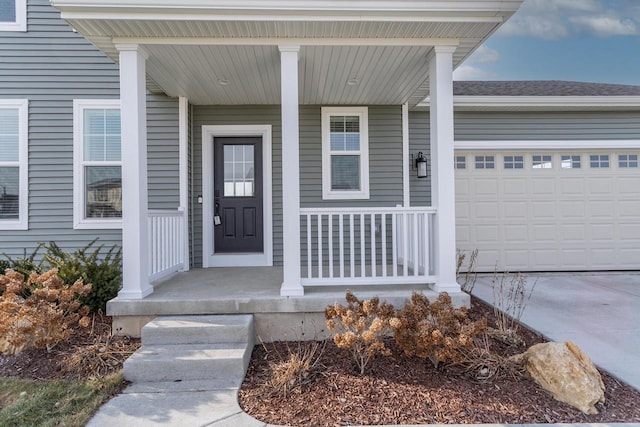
(90, 352)
(403, 390)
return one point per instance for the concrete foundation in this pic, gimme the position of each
(251, 290)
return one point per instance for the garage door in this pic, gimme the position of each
(549, 211)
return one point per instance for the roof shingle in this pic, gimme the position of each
(541, 88)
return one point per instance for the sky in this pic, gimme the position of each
(579, 40)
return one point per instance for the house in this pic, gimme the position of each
(285, 134)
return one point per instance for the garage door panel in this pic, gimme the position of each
(574, 259)
(486, 210)
(601, 209)
(572, 209)
(543, 186)
(630, 232)
(517, 259)
(515, 210)
(543, 209)
(487, 233)
(544, 259)
(602, 232)
(516, 233)
(600, 185)
(485, 187)
(575, 232)
(571, 186)
(550, 219)
(514, 187)
(629, 209)
(544, 233)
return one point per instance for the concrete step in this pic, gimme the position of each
(199, 330)
(225, 363)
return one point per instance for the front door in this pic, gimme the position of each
(238, 195)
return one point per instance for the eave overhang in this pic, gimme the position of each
(221, 36)
(540, 103)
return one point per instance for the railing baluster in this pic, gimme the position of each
(363, 260)
(341, 241)
(309, 254)
(383, 221)
(374, 265)
(352, 247)
(416, 266)
(320, 275)
(425, 243)
(405, 244)
(394, 244)
(330, 245)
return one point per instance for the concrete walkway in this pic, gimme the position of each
(599, 312)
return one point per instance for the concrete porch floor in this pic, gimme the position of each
(250, 290)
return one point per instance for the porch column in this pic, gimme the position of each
(133, 111)
(290, 171)
(442, 167)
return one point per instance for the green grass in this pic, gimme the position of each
(53, 403)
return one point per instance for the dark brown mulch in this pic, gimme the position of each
(91, 351)
(402, 390)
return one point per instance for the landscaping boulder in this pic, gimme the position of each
(566, 372)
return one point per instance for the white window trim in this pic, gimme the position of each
(22, 223)
(362, 113)
(79, 220)
(20, 24)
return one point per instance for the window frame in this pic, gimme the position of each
(363, 114)
(22, 223)
(20, 23)
(80, 222)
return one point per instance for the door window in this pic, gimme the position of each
(239, 171)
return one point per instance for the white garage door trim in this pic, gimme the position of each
(549, 219)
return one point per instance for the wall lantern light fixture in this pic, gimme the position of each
(421, 165)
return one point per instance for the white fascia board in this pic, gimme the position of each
(556, 144)
(264, 41)
(386, 10)
(559, 102)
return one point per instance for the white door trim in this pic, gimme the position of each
(209, 257)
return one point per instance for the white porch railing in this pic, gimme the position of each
(166, 243)
(360, 246)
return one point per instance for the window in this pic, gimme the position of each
(628, 160)
(513, 162)
(97, 178)
(541, 161)
(485, 162)
(570, 162)
(599, 161)
(460, 162)
(13, 15)
(345, 153)
(14, 176)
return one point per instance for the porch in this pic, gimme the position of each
(250, 290)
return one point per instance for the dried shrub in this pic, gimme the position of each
(25, 265)
(484, 365)
(437, 331)
(510, 297)
(38, 312)
(104, 355)
(468, 281)
(361, 326)
(300, 368)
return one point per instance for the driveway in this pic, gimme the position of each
(600, 312)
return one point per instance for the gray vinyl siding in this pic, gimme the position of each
(419, 140)
(385, 158)
(583, 125)
(235, 115)
(163, 152)
(50, 65)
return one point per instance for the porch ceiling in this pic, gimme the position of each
(380, 47)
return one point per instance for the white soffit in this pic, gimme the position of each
(192, 40)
